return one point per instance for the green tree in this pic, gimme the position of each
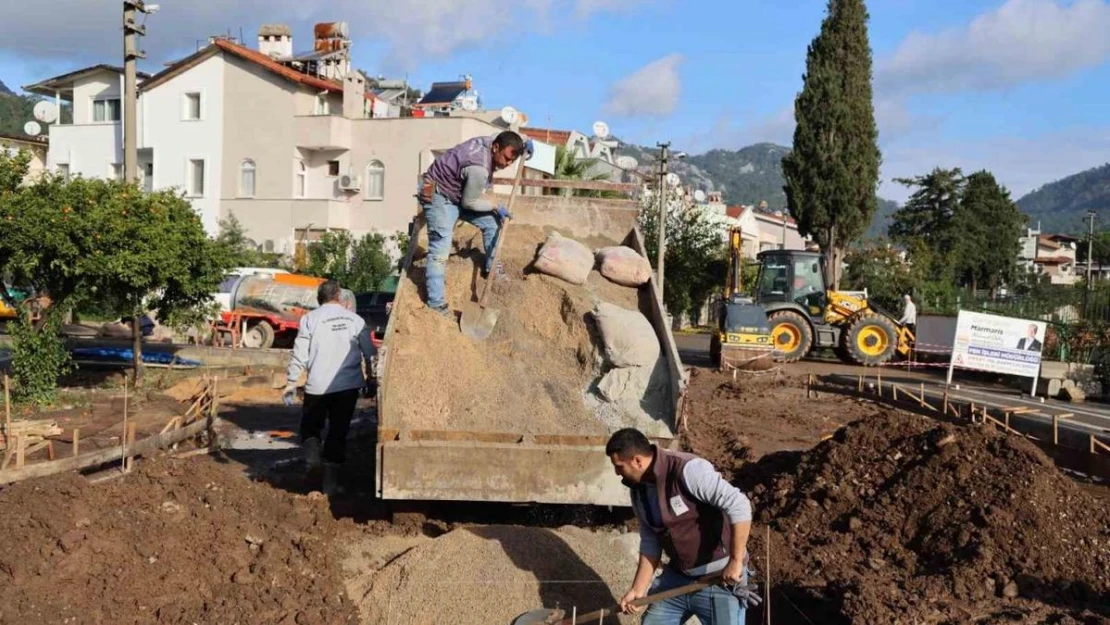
(244, 251)
(695, 259)
(357, 264)
(107, 240)
(832, 173)
(929, 212)
(1100, 248)
(13, 168)
(569, 167)
(988, 229)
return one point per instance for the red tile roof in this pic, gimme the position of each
(254, 56)
(1047, 241)
(775, 218)
(547, 135)
(735, 211)
(1054, 260)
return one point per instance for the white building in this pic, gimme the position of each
(275, 138)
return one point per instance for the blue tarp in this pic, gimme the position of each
(125, 355)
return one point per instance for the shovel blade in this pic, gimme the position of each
(477, 322)
(539, 617)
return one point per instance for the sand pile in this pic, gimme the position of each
(490, 575)
(901, 519)
(538, 371)
(176, 542)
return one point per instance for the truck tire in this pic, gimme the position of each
(259, 336)
(791, 335)
(872, 340)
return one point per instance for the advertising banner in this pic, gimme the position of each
(998, 344)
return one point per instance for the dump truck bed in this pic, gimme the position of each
(518, 417)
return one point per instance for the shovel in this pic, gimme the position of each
(478, 319)
(558, 617)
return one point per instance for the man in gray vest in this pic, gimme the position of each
(452, 189)
(689, 512)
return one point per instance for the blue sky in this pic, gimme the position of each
(1014, 86)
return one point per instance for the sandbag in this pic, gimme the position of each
(623, 265)
(565, 259)
(628, 337)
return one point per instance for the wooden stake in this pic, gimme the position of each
(1008, 421)
(76, 440)
(7, 412)
(123, 439)
(860, 384)
(767, 581)
(879, 377)
(128, 458)
(923, 404)
(21, 451)
(894, 391)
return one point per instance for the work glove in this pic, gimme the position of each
(502, 212)
(748, 593)
(529, 149)
(289, 395)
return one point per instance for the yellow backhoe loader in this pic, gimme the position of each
(742, 339)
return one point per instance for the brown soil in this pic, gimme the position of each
(492, 574)
(735, 421)
(177, 541)
(532, 375)
(900, 518)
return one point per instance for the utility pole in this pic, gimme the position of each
(663, 147)
(131, 53)
(1090, 245)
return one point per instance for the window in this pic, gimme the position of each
(63, 170)
(246, 178)
(196, 177)
(192, 106)
(301, 181)
(375, 181)
(322, 106)
(117, 171)
(146, 174)
(106, 110)
(333, 168)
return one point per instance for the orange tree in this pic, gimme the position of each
(105, 239)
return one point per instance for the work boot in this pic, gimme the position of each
(331, 479)
(311, 447)
(444, 312)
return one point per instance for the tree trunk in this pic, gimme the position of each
(137, 347)
(832, 267)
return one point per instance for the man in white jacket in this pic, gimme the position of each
(331, 344)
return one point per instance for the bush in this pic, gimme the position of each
(39, 358)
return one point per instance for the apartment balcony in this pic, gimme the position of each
(322, 132)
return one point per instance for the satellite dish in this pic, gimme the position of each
(673, 179)
(470, 104)
(509, 115)
(32, 128)
(46, 112)
(699, 196)
(601, 130)
(627, 162)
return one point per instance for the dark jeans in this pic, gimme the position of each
(336, 409)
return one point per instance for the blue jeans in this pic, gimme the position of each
(441, 216)
(712, 606)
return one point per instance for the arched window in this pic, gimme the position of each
(246, 178)
(375, 181)
(300, 182)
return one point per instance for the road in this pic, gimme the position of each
(1093, 417)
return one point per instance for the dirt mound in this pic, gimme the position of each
(535, 372)
(492, 574)
(733, 421)
(177, 541)
(902, 519)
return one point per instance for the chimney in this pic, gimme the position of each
(354, 94)
(275, 40)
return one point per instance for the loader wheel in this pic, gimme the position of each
(872, 340)
(259, 336)
(791, 335)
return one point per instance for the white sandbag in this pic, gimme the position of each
(623, 265)
(565, 259)
(627, 336)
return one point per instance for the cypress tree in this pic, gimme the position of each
(832, 173)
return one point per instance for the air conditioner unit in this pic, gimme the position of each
(349, 182)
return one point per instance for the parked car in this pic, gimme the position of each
(374, 308)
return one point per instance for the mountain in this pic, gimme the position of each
(750, 175)
(1061, 206)
(4, 89)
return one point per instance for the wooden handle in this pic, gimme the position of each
(501, 233)
(598, 615)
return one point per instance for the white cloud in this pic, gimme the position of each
(652, 90)
(1020, 41)
(82, 32)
